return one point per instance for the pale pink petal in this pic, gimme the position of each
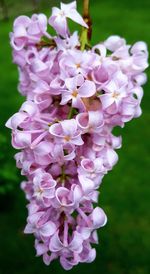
(96, 119)
(64, 196)
(112, 157)
(55, 243)
(140, 79)
(48, 229)
(107, 100)
(16, 120)
(138, 112)
(91, 256)
(66, 264)
(66, 96)
(77, 140)
(69, 127)
(98, 217)
(69, 152)
(86, 184)
(111, 86)
(138, 91)
(22, 20)
(41, 248)
(43, 148)
(59, 23)
(71, 12)
(21, 140)
(78, 103)
(128, 109)
(98, 164)
(55, 11)
(29, 229)
(77, 193)
(42, 21)
(85, 232)
(139, 46)
(29, 107)
(56, 130)
(87, 165)
(20, 32)
(76, 243)
(101, 48)
(121, 79)
(76, 17)
(48, 259)
(88, 89)
(114, 42)
(71, 83)
(82, 120)
(69, 6)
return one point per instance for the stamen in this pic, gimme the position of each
(75, 93)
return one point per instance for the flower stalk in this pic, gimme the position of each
(64, 129)
(86, 33)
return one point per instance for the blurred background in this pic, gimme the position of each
(125, 193)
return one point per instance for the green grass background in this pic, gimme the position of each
(125, 193)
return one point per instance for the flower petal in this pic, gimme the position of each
(98, 217)
(55, 243)
(48, 229)
(76, 17)
(43, 148)
(87, 184)
(76, 243)
(107, 100)
(87, 89)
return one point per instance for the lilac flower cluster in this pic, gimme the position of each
(74, 99)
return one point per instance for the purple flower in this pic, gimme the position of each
(43, 187)
(91, 122)
(77, 89)
(58, 18)
(28, 30)
(35, 225)
(75, 245)
(115, 91)
(74, 100)
(67, 132)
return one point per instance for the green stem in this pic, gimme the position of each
(86, 33)
(71, 113)
(84, 39)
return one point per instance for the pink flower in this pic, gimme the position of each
(88, 253)
(75, 245)
(77, 89)
(91, 122)
(67, 199)
(140, 56)
(28, 30)
(114, 42)
(43, 187)
(74, 100)
(66, 132)
(87, 185)
(58, 18)
(75, 61)
(115, 91)
(70, 42)
(92, 168)
(63, 152)
(100, 76)
(89, 223)
(44, 230)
